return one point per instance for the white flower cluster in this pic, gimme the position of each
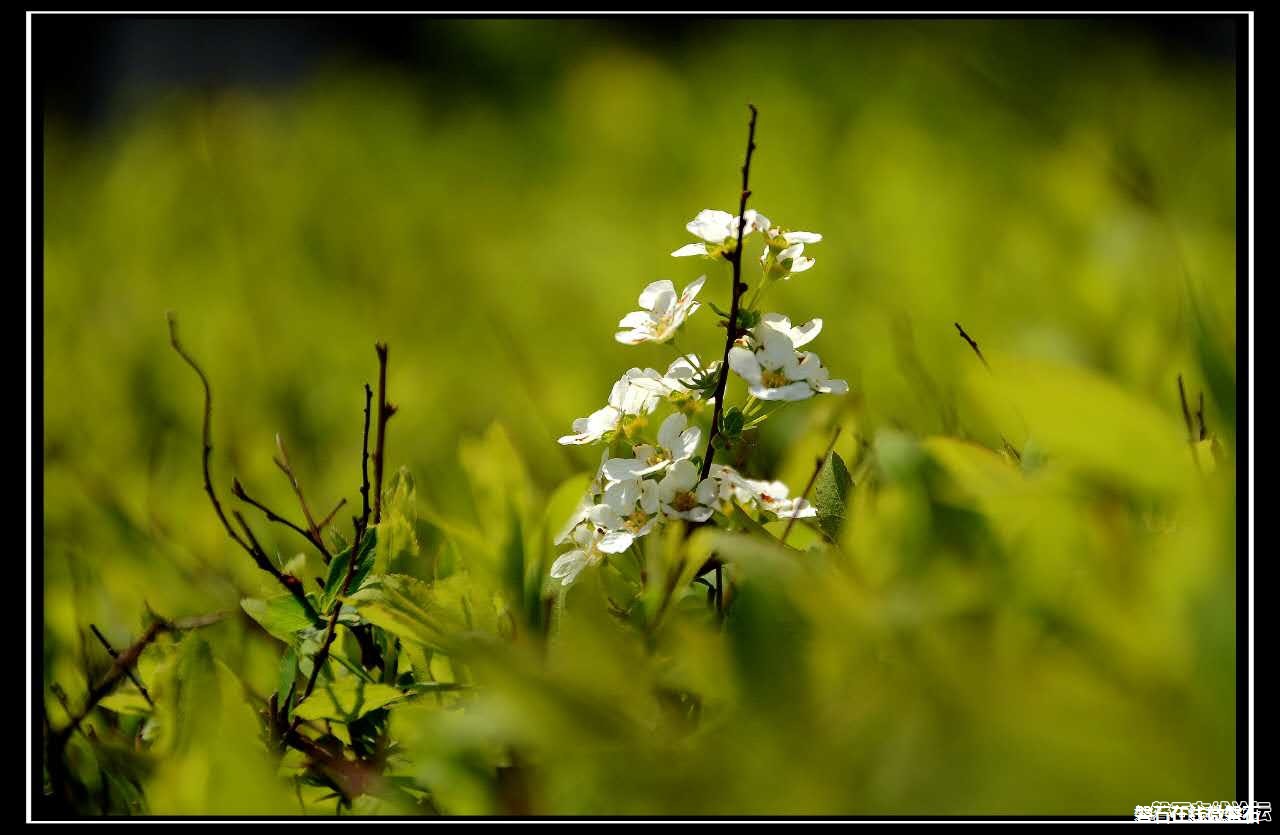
(646, 479)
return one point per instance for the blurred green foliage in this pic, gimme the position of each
(1054, 635)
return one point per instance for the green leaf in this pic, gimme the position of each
(126, 699)
(282, 616)
(497, 476)
(404, 607)
(338, 569)
(398, 550)
(732, 422)
(288, 675)
(346, 700)
(831, 495)
(513, 561)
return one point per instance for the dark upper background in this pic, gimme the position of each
(92, 67)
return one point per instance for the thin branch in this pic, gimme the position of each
(731, 327)
(285, 467)
(1008, 447)
(385, 411)
(1204, 430)
(1186, 411)
(352, 778)
(719, 593)
(1186, 418)
(973, 345)
(292, 584)
(102, 639)
(817, 468)
(124, 662)
(361, 525)
(248, 542)
(312, 536)
(324, 523)
(207, 433)
(364, 456)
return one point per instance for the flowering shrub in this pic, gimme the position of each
(646, 639)
(647, 479)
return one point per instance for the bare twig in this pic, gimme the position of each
(1186, 411)
(324, 523)
(973, 345)
(312, 536)
(248, 542)
(102, 639)
(364, 455)
(731, 326)
(1186, 418)
(1204, 430)
(385, 411)
(292, 584)
(361, 526)
(124, 662)
(817, 468)
(207, 431)
(285, 467)
(1008, 447)
(731, 329)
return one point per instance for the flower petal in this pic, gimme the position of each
(744, 363)
(567, 568)
(651, 293)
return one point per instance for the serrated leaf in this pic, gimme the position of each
(347, 699)
(398, 550)
(831, 494)
(338, 569)
(404, 607)
(282, 616)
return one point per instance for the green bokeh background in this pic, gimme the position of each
(1065, 192)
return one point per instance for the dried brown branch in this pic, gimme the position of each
(364, 455)
(292, 584)
(287, 468)
(972, 344)
(123, 664)
(324, 523)
(102, 639)
(385, 411)
(312, 536)
(248, 542)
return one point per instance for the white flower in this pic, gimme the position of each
(594, 541)
(631, 506)
(662, 313)
(787, 250)
(720, 229)
(637, 393)
(683, 496)
(769, 496)
(774, 370)
(800, 335)
(675, 443)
